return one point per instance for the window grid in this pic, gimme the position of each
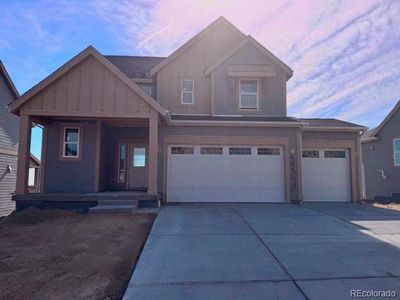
(187, 91)
(182, 150)
(310, 153)
(248, 98)
(211, 150)
(239, 151)
(71, 142)
(396, 151)
(335, 154)
(268, 151)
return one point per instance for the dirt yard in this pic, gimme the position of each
(394, 206)
(55, 254)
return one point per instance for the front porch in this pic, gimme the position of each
(88, 108)
(112, 159)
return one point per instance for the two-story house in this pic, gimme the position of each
(208, 123)
(381, 158)
(8, 143)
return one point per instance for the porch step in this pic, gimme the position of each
(396, 196)
(117, 202)
(116, 208)
(387, 199)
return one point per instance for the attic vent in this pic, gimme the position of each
(250, 71)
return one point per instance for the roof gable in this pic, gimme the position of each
(375, 132)
(220, 22)
(71, 74)
(8, 80)
(250, 40)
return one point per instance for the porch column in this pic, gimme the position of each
(25, 124)
(153, 155)
(97, 157)
(42, 168)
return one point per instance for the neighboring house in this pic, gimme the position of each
(208, 123)
(33, 175)
(8, 143)
(381, 157)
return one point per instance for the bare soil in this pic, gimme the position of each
(394, 206)
(57, 254)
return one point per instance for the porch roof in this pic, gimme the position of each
(87, 85)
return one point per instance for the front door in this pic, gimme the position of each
(137, 167)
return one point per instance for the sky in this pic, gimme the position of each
(345, 54)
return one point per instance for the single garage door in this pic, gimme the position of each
(326, 175)
(220, 173)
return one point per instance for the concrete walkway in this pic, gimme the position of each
(268, 251)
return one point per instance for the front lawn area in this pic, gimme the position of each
(55, 254)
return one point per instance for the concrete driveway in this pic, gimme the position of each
(268, 251)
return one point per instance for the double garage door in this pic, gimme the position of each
(226, 173)
(204, 173)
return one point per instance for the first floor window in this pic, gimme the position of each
(396, 151)
(71, 142)
(187, 91)
(122, 163)
(139, 157)
(248, 94)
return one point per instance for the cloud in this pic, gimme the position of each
(345, 54)
(341, 51)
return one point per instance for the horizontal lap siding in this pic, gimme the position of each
(8, 143)
(8, 122)
(7, 183)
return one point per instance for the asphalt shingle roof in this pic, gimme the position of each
(317, 122)
(232, 118)
(134, 66)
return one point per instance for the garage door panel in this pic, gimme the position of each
(225, 177)
(326, 178)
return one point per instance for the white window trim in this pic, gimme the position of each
(77, 143)
(192, 92)
(240, 94)
(394, 152)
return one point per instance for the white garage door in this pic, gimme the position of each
(225, 174)
(326, 175)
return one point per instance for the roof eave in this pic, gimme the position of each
(8, 80)
(232, 123)
(369, 139)
(335, 128)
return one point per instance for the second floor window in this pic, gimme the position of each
(187, 91)
(248, 94)
(396, 151)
